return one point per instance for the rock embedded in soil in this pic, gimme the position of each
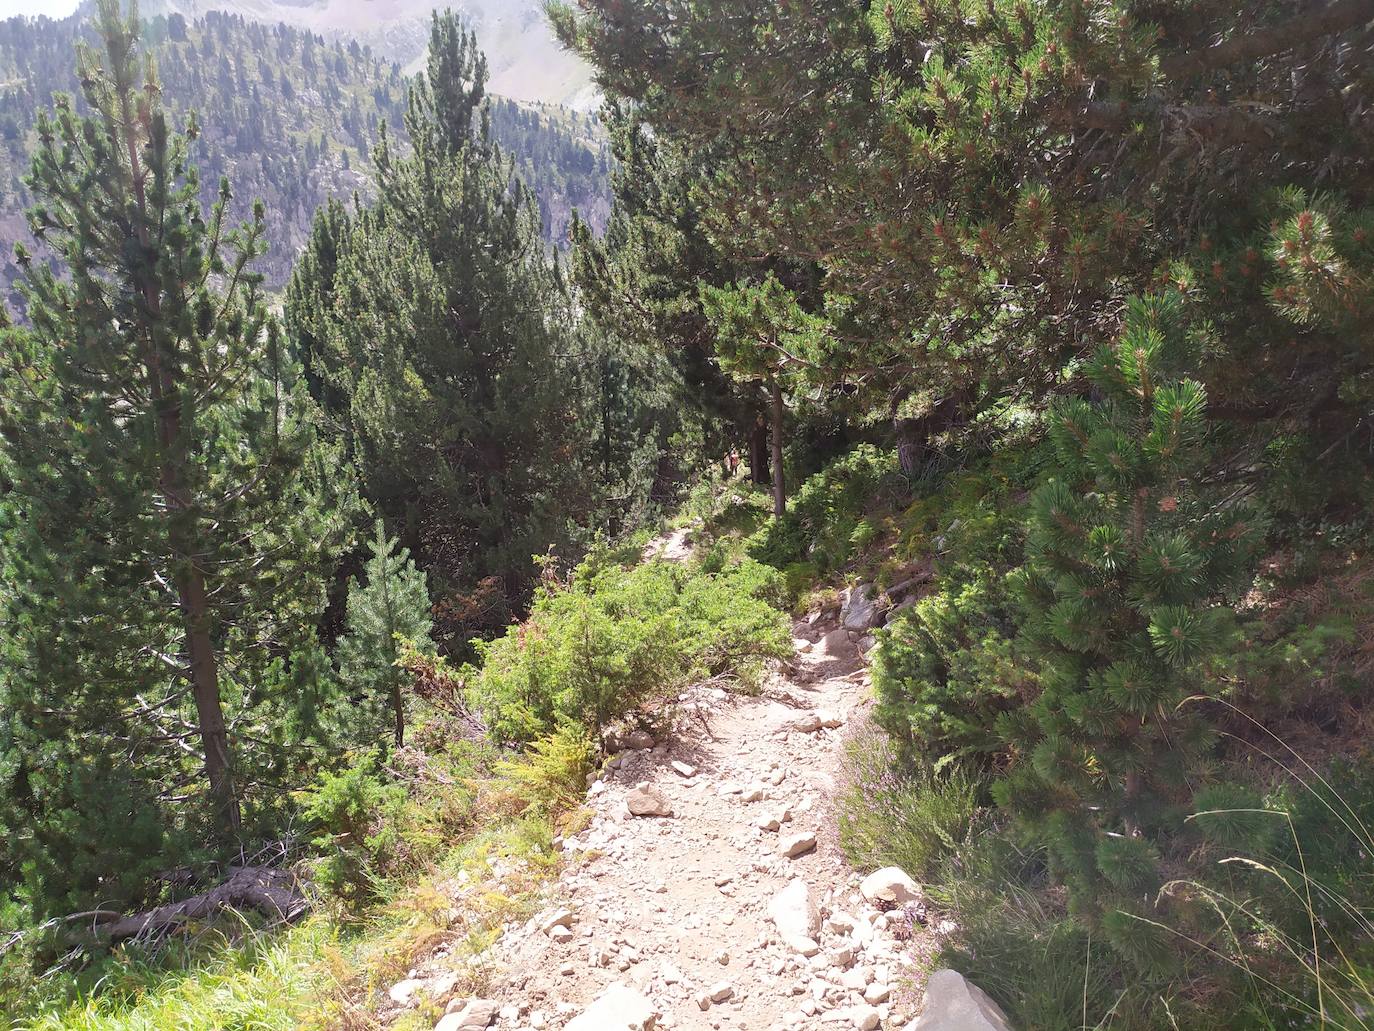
(647, 800)
(798, 845)
(618, 1008)
(639, 740)
(890, 885)
(467, 1015)
(954, 1002)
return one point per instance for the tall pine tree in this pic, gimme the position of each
(446, 347)
(169, 521)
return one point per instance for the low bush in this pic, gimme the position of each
(825, 522)
(614, 639)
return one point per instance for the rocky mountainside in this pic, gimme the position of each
(527, 63)
(289, 115)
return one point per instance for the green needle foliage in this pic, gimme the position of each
(390, 606)
(440, 340)
(1134, 563)
(169, 520)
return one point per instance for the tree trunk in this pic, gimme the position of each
(205, 687)
(396, 703)
(779, 487)
(190, 579)
(758, 453)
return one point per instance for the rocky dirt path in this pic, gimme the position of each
(708, 890)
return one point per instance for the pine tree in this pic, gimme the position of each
(390, 606)
(1134, 564)
(169, 522)
(437, 317)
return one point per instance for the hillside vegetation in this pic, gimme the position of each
(1022, 348)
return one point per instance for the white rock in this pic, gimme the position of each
(808, 724)
(955, 1003)
(721, 990)
(798, 845)
(402, 993)
(618, 1008)
(793, 911)
(473, 1015)
(890, 885)
(801, 944)
(877, 993)
(685, 769)
(647, 800)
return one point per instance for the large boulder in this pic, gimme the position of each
(862, 610)
(618, 1008)
(890, 885)
(837, 645)
(956, 1004)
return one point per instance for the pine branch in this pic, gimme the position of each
(1337, 16)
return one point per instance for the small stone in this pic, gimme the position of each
(721, 990)
(798, 845)
(876, 994)
(639, 739)
(558, 918)
(770, 823)
(808, 724)
(703, 1000)
(562, 935)
(684, 769)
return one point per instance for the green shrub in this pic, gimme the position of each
(351, 833)
(615, 639)
(1133, 565)
(945, 668)
(825, 522)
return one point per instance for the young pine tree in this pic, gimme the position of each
(391, 605)
(1134, 562)
(169, 522)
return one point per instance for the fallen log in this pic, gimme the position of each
(275, 893)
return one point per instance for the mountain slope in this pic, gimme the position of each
(527, 63)
(288, 116)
